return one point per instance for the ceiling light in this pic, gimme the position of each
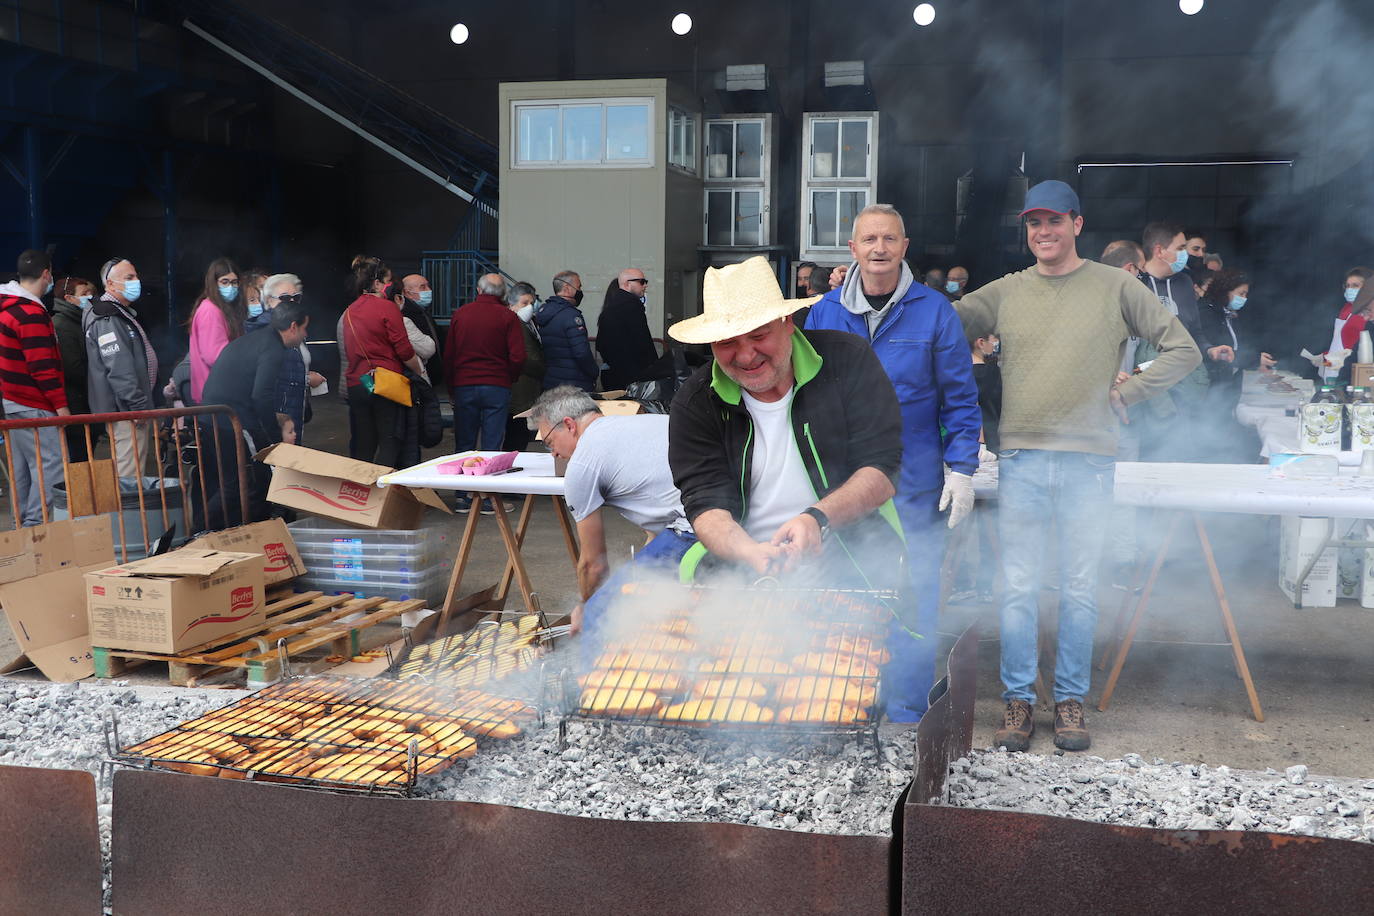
(682, 24)
(1190, 7)
(924, 14)
(458, 34)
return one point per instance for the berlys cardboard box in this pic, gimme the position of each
(175, 601)
(43, 594)
(282, 561)
(344, 489)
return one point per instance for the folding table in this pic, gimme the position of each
(531, 476)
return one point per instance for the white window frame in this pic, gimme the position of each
(602, 162)
(681, 125)
(867, 184)
(763, 184)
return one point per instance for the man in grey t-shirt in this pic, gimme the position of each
(620, 462)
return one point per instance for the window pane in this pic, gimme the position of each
(582, 133)
(720, 150)
(719, 216)
(851, 202)
(538, 130)
(627, 132)
(689, 143)
(823, 219)
(749, 150)
(824, 148)
(748, 219)
(854, 150)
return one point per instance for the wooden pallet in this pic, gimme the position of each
(306, 620)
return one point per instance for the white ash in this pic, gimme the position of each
(62, 726)
(1137, 792)
(812, 784)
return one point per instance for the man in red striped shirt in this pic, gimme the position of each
(31, 383)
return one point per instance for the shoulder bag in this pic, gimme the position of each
(381, 381)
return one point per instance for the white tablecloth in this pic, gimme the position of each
(534, 477)
(1243, 488)
(1279, 435)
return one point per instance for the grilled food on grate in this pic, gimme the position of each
(823, 712)
(864, 646)
(754, 642)
(707, 711)
(862, 691)
(619, 701)
(660, 681)
(836, 664)
(746, 664)
(720, 688)
(639, 661)
(653, 642)
(487, 652)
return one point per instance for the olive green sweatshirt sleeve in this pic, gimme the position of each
(1147, 318)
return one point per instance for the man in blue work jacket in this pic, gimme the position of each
(919, 339)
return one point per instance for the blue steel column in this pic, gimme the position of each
(33, 169)
(169, 230)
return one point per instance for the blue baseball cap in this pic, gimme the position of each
(1054, 196)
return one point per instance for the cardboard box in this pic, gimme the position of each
(42, 591)
(270, 538)
(1362, 375)
(176, 601)
(340, 488)
(1298, 540)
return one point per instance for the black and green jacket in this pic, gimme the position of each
(845, 416)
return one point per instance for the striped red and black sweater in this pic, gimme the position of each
(30, 363)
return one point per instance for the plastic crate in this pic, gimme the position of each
(364, 566)
(429, 589)
(320, 538)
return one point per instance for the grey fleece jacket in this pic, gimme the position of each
(853, 299)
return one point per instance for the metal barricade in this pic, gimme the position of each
(192, 440)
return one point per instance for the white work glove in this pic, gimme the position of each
(985, 454)
(957, 496)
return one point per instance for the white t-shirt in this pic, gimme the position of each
(622, 462)
(779, 488)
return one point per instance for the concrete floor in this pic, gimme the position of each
(1314, 669)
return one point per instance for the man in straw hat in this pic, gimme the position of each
(785, 447)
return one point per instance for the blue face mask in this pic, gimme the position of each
(1351, 293)
(1238, 303)
(48, 289)
(426, 297)
(133, 289)
(951, 286)
(85, 302)
(254, 309)
(1180, 260)
(228, 293)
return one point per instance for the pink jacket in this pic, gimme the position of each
(209, 335)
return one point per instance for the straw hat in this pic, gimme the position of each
(736, 299)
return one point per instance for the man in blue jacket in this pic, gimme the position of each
(568, 358)
(920, 341)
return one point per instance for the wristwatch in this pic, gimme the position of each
(821, 519)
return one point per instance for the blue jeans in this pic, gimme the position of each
(1074, 491)
(661, 554)
(908, 677)
(480, 410)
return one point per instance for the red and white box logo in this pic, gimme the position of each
(241, 599)
(277, 557)
(354, 492)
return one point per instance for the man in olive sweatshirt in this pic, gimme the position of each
(1063, 324)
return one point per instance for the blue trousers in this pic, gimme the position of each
(914, 638)
(661, 555)
(480, 410)
(1074, 490)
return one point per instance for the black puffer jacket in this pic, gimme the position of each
(568, 358)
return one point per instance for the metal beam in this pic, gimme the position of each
(33, 166)
(338, 118)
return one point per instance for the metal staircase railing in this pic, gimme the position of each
(458, 159)
(453, 277)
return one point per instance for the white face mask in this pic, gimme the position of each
(525, 312)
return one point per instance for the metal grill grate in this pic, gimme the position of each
(342, 733)
(800, 659)
(493, 649)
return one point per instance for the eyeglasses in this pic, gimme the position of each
(638, 280)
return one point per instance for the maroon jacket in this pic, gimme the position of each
(374, 335)
(485, 344)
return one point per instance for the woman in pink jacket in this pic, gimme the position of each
(217, 320)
